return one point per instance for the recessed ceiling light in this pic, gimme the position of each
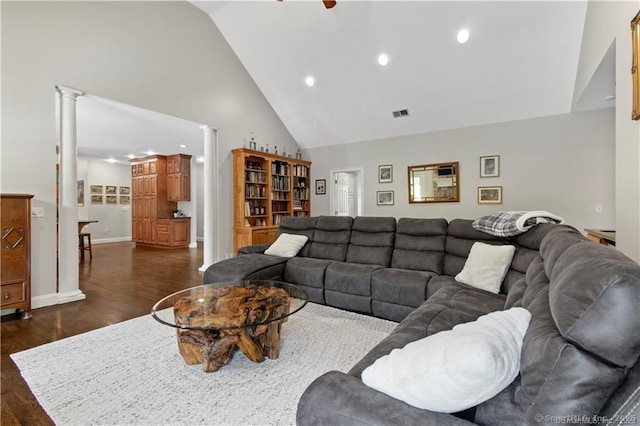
(383, 59)
(200, 159)
(609, 97)
(310, 81)
(182, 146)
(131, 156)
(111, 160)
(150, 152)
(463, 36)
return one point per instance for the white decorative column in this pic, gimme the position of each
(211, 197)
(69, 283)
(194, 204)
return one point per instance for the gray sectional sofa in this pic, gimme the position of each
(579, 361)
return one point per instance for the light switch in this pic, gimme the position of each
(37, 211)
(598, 208)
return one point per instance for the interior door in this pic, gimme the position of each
(343, 194)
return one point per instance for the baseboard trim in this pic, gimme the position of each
(111, 240)
(56, 299)
(44, 300)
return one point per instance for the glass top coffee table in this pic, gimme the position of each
(211, 320)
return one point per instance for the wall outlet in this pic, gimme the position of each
(106, 230)
(598, 208)
(37, 211)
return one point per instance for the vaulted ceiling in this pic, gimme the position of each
(520, 62)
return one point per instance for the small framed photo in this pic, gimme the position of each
(385, 173)
(490, 166)
(489, 195)
(384, 198)
(96, 199)
(124, 190)
(110, 190)
(80, 193)
(321, 186)
(125, 199)
(112, 199)
(96, 189)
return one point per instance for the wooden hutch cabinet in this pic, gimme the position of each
(267, 187)
(179, 177)
(152, 211)
(15, 273)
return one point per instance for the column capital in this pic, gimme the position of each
(69, 92)
(208, 129)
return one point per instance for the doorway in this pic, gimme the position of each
(346, 192)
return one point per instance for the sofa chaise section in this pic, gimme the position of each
(252, 263)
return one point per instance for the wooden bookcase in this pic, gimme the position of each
(267, 187)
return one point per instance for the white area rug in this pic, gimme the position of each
(132, 373)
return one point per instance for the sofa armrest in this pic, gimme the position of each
(336, 398)
(256, 248)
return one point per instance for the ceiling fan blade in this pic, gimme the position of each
(327, 3)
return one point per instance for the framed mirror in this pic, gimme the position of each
(434, 183)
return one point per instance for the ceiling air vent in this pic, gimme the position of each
(400, 113)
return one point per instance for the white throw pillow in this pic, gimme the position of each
(456, 369)
(287, 245)
(486, 266)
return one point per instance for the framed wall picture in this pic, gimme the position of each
(321, 186)
(385, 173)
(80, 193)
(490, 166)
(110, 189)
(96, 199)
(112, 199)
(124, 190)
(97, 189)
(384, 198)
(489, 195)
(125, 199)
(635, 72)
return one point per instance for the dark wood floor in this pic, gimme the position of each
(121, 282)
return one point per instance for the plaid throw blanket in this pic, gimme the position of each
(510, 223)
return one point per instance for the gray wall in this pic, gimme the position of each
(607, 22)
(563, 164)
(163, 56)
(114, 220)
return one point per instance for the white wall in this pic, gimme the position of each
(607, 22)
(163, 56)
(563, 164)
(114, 220)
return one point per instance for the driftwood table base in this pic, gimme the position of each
(229, 317)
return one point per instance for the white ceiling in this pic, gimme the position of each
(112, 130)
(520, 62)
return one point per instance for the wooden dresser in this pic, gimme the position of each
(15, 274)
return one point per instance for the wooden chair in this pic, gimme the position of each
(85, 244)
